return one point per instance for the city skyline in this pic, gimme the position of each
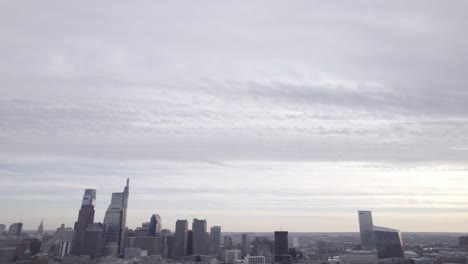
(251, 116)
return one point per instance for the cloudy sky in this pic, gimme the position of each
(253, 115)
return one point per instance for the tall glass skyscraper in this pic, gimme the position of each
(215, 240)
(155, 226)
(366, 228)
(389, 243)
(85, 218)
(116, 217)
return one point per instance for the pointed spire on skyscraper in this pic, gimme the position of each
(40, 230)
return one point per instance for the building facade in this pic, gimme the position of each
(215, 240)
(180, 238)
(116, 217)
(366, 229)
(199, 237)
(154, 228)
(85, 218)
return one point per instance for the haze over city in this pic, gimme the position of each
(254, 116)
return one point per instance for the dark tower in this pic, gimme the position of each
(281, 247)
(155, 226)
(85, 218)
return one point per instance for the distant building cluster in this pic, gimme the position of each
(111, 241)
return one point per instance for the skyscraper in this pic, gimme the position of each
(15, 229)
(155, 226)
(389, 243)
(190, 242)
(199, 237)
(366, 229)
(85, 218)
(262, 246)
(93, 241)
(215, 240)
(245, 245)
(180, 238)
(116, 217)
(2, 228)
(40, 230)
(281, 247)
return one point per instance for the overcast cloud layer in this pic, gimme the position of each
(255, 116)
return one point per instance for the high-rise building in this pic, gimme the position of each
(116, 217)
(389, 243)
(85, 218)
(167, 246)
(155, 225)
(2, 228)
(366, 229)
(245, 245)
(15, 229)
(199, 237)
(215, 240)
(231, 255)
(262, 246)
(93, 241)
(61, 242)
(40, 230)
(281, 247)
(180, 238)
(227, 241)
(190, 242)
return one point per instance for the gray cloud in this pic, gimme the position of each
(220, 100)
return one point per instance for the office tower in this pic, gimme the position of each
(281, 247)
(180, 238)
(366, 229)
(93, 241)
(245, 245)
(215, 240)
(155, 225)
(262, 246)
(231, 255)
(15, 229)
(85, 218)
(2, 228)
(61, 241)
(389, 243)
(40, 230)
(227, 241)
(116, 217)
(190, 242)
(199, 236)
(167, 246)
